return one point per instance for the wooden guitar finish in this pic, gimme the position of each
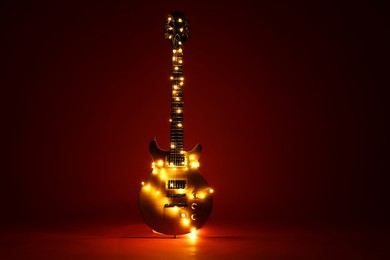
(175, 199)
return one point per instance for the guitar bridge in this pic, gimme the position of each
(180, 195)
(179, 205)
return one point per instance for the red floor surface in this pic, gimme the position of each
(213, 242)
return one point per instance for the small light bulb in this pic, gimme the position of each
(180, 20)
(194, 164)
(192, 235)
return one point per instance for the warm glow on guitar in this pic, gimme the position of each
(176, 199)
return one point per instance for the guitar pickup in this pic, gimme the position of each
(176, 184)
(179, 205)
(181, 195)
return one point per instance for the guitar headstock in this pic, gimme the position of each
(177, 29)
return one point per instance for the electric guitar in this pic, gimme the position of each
(175, 199)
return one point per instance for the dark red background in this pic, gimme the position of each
(287, 99)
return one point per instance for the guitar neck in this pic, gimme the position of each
(176, 121)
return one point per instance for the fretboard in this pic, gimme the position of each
(176, 144)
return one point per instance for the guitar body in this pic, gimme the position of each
(184, 206)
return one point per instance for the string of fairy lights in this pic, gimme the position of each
(166, 170)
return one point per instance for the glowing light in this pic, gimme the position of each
(181, 83)
(173, 58)
(157, 192)
(172, 146)
(186, 222)
(181, 29)
(194, 164)
(147, 187)
(180, 20)
(142, 183)
(178, 111)
(162, 176)
(181, 78)
(174, 86)
(176, 68)
(170, 120)
(171, 77)
(160, 162)
(180, 50)
(180, 61)
(183, 215)
(201, 195)
(174, 50)
(177, 99)
(154, 171)
(169, 19)
(192, 235)
(170, 37)
(180, 125)
(211, 190)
